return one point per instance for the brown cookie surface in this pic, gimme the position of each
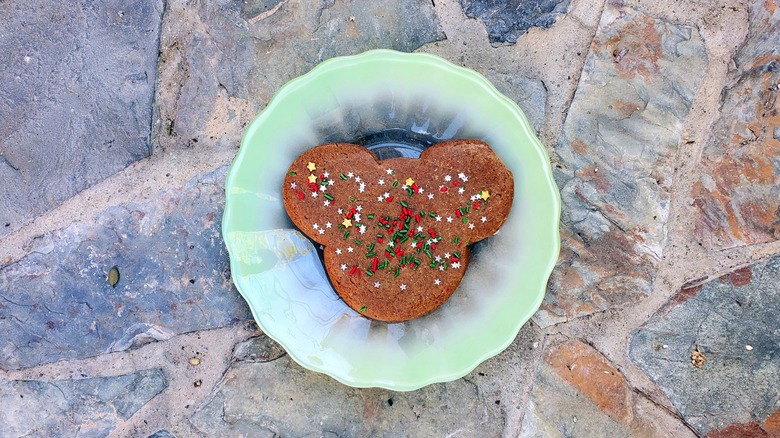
(397, 232)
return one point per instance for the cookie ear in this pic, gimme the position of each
(490, 183)
(316, 179)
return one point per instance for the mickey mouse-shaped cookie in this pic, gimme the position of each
(397, 232)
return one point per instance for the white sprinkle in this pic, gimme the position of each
(325, 174)
(322, 231)
(456, 265)
(315, 226)
(359, 208)
(748, 347)
(313, 194)
(379, 198)
(404, 186)
(386, 194)
(438, 218)
(362, 229)
(350, 249)
(438, 258)
(483, 219)
(293, 185)
(341, 211)
(446, 255)
(381, 182)
(413, 244)
(350, 174)
(463, 176)
(362, 188)
(390, 244)
(323, 188)
(328, 225)
(449, 218)
(461, 190)
(447, 178)
(326, 203)
(419, 229)
(420, 189)
(330, 182)
(338, 251)
(343, 267)
(430, 195)
(437, 282)
(441, 267)
(377, 284)
(471, 226)
(357, 217)
(403, 286)
(357, 179)
(389, 171)
(664, 346)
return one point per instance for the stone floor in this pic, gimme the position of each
(119, 120)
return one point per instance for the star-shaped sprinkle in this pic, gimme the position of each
(322, 231)
(347, 223)
(471, 226)
(357, 217)
(409, 181)
(404, 186)
(390, 244)
(312, 178)
(362, 188)
(437, 282)
(350, 249)
(403, 286)
(438, 258)
(326, 203)
(293, 185)
(311, 166)
(441, 267)
(446, 255)
(456, 265)
(438, 218)
(461, 190)
(379, 198)
(389, 171)
(314, 194)
(483, 219)
(338, 251)
(377, 284)
(447, 178)
(350, 174)
(325, 174)
(420, 189)
(449, 218)
(484, 194)
(323, 188)
(362, 229)
(463, 177)
(381, 182)
(328, 225)
(315, 226)
(430, 195)
(419, 229)
(385, 195)
(357, 179)
(330, 182)
(343, 267)
(340, 211)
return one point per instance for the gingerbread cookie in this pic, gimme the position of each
(397, 232)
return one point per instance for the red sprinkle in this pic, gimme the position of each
(374, 264)
(476, 205)
(453, 259)
(454, 184)
(349, 215)
(443, 189)
(300, 194)
(388, 254)
(416, 188)
(352, 271)
(417, 217)
(313, 187)
(380, 240)
(431, 233)
(418, 244)
(399, 252)
(390, 199)
(457, 213)
(433, 246)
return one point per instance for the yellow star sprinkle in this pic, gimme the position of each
(484, 194)
(312, 179)
(347, 223)
(409, 182)
(311, 166)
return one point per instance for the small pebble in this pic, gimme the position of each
(197, 383)
(748, 347)
(195, 361)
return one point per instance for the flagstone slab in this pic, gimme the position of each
(76, 98)
(506, 20)
(81, 407)
(57, 303)
(730, 326)
(615, 161)
(222, 62)
(737, 198)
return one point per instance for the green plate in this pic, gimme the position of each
(388, 101)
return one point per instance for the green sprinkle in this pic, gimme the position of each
(397, 271)
(432, 265)
(467, 209)
(456, 240)
(403, 231)
(371, 254)
(403, 203)
(409, 191)
(346, 234)
(363, 309)
(328, 197)
(370, 216)
(293, 173)
(371, 247)
(431, 214)
(384, 264)
(456, 254)
(369, 272)
(419, 235)
(352, 199)
(428, 253)
(379, 235)
(465, 219)
(395, 183)
(324, 182)
(461, 211)
(404, 239)
(358, 242)
(422, 212)
(342, 176)
(468, 243)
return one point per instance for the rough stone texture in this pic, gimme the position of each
(577, 392)
(529, 94)
(85, 408)
(738, 195)
(222, 62)
(162, 434)
(258, 349)
(616, 161)
(253, 400)
(506, 20)
(733, 322)
(56, 303)
(76, 98)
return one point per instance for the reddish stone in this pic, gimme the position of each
(772, 425)
(740, 430)
(594, 376)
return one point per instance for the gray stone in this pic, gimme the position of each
(732, 321)
(529, 94)
(616, 161)
(506, 20)
(258, 349)
(162, 434)
(280, 398)
(56, 302)
(738, 195)
(85, 407)
(76, 98)
(223, 66)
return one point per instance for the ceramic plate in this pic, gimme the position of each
(394, 104)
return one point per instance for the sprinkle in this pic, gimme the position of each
(330, 182)
(369, 272)
(328, 196)
(292, 173)
(338, 251)
(312, 178)
(357, 179)
(351, 199)
(419, 228)
(357, 217)
(350, 174)
(377, 284)
(456, 241)
(484, 194)
(346, 234)
(449, 218)
(325, 175)
(390, 199)
(395, 183)
(438, 218)
(381, 182)
(362, 188)
(363, 309)
(409, 181)
(397, 271)
(343, 267)
(456, 265)
(311, 166)
(352, 271)
(362, 229)
(442, 189)
(404, 203)
(315, 226)
(463, 177)
(483, 219)
(342, 176)
(326, 203)
(447, 178)
(465, 219)
(441, 267)
(347, 223)
(430, 195)
(370, 216)
(314, 194)
(403, 286)
(432, 214)
(293, 185)
(379, 198)
(437, 282)
(461, 190)
(389, 171)
(340, 211)
(350, 249)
